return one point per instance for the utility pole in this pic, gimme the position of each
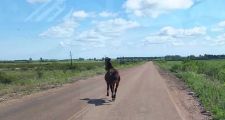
(71, 59)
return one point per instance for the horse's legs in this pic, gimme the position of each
(107, 88)
(117, 84)
(112, 90)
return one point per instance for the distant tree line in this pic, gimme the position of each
(126, 59)
(173, 57)
(30, 60)
(193, 57)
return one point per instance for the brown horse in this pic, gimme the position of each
(112, 78)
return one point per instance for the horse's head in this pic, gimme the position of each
(108, 64)
(107, 60)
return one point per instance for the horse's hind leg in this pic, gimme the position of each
(112, 90)
(117, 84)
(107, 89)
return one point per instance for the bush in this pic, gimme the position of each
(39, 72)
(189, 65)
(221, 75)
(212, 71)
(24, 68)
(175, 68)
(5, 79)
(207, 80)
(209, 92)
(201, 67)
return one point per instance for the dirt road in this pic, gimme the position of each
(142, 95)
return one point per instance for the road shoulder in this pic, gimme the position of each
(183, 97)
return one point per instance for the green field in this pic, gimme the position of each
(206, 78)
(25, 78)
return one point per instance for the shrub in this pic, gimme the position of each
(202, 67)
(212, 71)
(176, 68)
(209, 92)
(207, 80)
(189, 66)
(39, 72)
(4, 78)
(221, 75)
(24, 68)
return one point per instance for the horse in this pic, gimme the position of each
(112, 78)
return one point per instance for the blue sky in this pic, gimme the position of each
(98, 28)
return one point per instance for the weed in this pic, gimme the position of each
(206, 79)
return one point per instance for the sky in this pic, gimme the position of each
(97, 28)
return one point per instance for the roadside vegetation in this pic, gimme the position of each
(206, 78)
(26, 78)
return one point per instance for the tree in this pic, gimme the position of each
(71, 59)
(30, 60)
(41, 59)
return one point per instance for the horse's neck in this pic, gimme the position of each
(109, 66)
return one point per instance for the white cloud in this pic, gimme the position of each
(67, 27)
(175, 36)
(219, 40)
(36, 1)
(219, 27)
(154, 8)
(178, 33)
(117, 25)
(221, 24)
(99, 35)
(107, 14)
(157, 39)
(105, 32)
(63, 30)
(80, 14)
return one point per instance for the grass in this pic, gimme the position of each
(26, 78)
(206, 78)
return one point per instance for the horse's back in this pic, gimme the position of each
(112, 75)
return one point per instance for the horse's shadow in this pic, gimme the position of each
(97, 102)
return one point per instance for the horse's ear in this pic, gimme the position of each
(107, 59)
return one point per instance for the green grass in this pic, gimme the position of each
(26, 78)
(206, 78)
